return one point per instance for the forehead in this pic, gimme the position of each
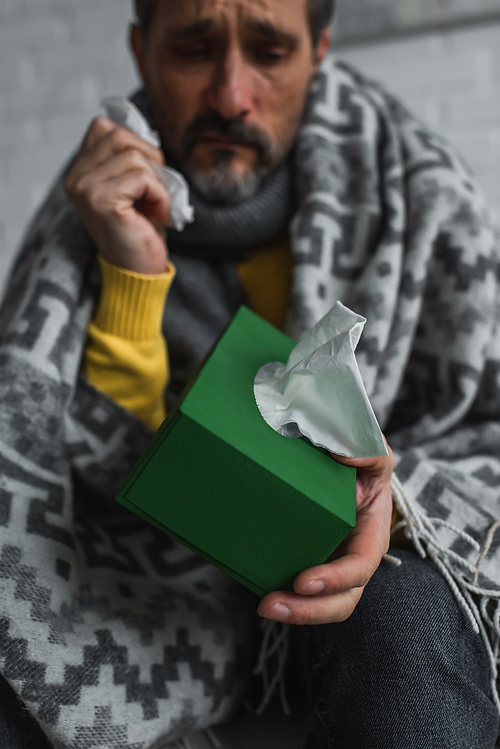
(279, 13)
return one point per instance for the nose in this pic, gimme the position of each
(229, 93)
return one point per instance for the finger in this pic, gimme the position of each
(284, 606)
(377, 462)
(95, 188)
(105, 139)
(118, 196)
(112, 169)
(365, 547)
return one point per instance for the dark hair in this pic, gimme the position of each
(320, 14)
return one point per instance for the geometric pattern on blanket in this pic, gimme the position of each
(114, 635)
(392, 223)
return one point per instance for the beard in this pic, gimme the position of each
(221, 183)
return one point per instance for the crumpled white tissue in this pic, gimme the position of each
(319, 392)
(124, 113)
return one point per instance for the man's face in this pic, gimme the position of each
(228, 81)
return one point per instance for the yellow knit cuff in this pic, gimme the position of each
(131, 304)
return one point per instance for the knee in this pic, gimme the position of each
(407, 649)
(408, 615)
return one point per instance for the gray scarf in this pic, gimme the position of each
(231, 232)
(114, 636)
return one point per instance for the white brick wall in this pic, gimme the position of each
(59, 58)
(362, 17)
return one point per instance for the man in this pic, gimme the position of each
(384, 217)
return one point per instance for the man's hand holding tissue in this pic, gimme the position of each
(330, 592)
(120, 198)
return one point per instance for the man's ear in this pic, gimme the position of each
(322, 47)
(137, 44)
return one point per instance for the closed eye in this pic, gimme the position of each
(194, 51)
(270, 55)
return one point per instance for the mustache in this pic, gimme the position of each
(236, 129)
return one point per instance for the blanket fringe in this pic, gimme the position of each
(273, 657)
(487, 547)
(421, 530)
(275, 642)
(393, 560)
(205, 739)
(213, 738)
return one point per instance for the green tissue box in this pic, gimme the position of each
(217, 478)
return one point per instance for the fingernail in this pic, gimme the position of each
(278, 613)
(313, 587)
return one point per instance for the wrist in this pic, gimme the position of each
(145, 264)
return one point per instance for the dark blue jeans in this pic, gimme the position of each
(405, 671)
(18, 729)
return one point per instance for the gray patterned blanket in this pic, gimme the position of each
(115, 636)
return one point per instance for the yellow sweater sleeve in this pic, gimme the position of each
(126, 353)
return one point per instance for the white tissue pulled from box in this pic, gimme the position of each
(319, 392)
(124, 113)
